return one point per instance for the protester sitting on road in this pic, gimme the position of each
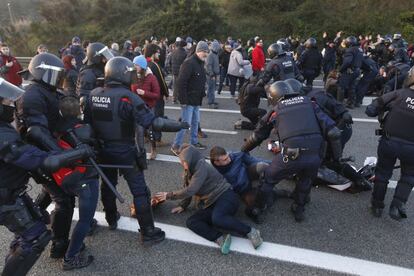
(217, 201)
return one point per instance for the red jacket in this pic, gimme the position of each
(151, 87)
(258, 58)
(10, 73)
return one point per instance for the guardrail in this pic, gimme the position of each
(24, 61)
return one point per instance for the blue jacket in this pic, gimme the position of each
(236, 172)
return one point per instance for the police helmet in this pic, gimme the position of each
(311, 43)
(277, 91)
(284, 43)
(120, 70)
(97, 53)
(47, 68)
(351, 41)
(397, 36)
(275, 50)
(295, 85)
(409, 80)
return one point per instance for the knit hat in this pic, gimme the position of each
(141, 61)
(202, 46)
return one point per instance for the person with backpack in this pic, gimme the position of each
(249, 101)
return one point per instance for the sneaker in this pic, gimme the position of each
(255, 238)
(238, 124)
(77, 262)
(224, 242)
(199, 146)
(175, 150)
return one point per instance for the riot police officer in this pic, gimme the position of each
(398, 54)
(396, 142)
(41, 118)
(396, 74)
(350, 71)
(310, 62)
(370, 71)
(281, 67)
(17, 210)
(91, 75)
(300, 126)
(340, 115)
(116, 114)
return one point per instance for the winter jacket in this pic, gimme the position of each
(212, 62)
(258, 58)
(150, 85)
(78, 53)
(191, 82)
(236, 63)
(236, 172)
(201, 180)
(224, 59)
(177, 58)
(10, 73)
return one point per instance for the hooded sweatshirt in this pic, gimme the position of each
(201, 180)
(212, 62)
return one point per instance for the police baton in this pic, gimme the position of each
(97, 168)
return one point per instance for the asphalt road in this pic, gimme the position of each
(337, 223)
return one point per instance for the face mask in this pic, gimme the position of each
(8, 114)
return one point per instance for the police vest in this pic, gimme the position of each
(11, 176)
(286, 66)
(106, 119)
(296, 117)
(399, 120)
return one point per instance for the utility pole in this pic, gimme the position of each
(10, 13)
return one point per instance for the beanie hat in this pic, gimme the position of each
(141, 61)
(202, 46)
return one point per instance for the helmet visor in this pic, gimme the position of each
(52, 75)
(105, 52)
(10, 91)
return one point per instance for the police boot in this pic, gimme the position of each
(397, 207)
(397, 210)
(376, 208)
(149, 234)
(298, 212)
(78, 261)
(350, 104)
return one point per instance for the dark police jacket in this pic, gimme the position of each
(400, 107)
(89, 78)
(114, 112)
(352, 59)
(16, 158)
(298, 122)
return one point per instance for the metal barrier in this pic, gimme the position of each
(24, 61)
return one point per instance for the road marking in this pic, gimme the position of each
(279, 252)
(220, 131)
(361, 120)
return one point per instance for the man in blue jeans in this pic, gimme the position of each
(191, 91)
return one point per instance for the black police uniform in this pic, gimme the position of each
(338, 113)
(115, 112)
(370, 71)
(396, 142)
(249, 100)
(350, 71)
(396, 75)
(298, 123)
(282, 67)
(310, 63)
(90, 77)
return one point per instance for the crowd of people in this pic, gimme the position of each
(86, 114)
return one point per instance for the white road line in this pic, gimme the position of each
(361, 120)
(229, 132)
(280, 252)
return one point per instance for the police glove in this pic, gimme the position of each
(67, 158)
